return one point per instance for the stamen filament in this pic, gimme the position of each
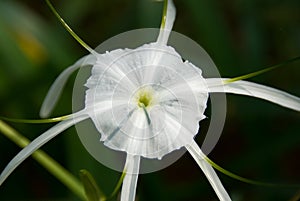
(36, 121)
(164, 16)
(68, 28)
(243, 179)
(243, 77)
(118, 186)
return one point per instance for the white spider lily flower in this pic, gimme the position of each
(147, 102)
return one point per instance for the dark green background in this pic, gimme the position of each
(260, 139)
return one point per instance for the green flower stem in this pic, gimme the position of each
(46, 161)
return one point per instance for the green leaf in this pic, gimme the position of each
(92, 191)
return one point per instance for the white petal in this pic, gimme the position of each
(279, 97)
(209, 172)
(38, 142)
(165, 32)
(132, 167)
(56, 88)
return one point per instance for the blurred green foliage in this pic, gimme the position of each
(260, 140)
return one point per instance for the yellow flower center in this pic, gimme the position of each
(145, 97)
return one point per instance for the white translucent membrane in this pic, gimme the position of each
(126, 81)
(40, 141)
